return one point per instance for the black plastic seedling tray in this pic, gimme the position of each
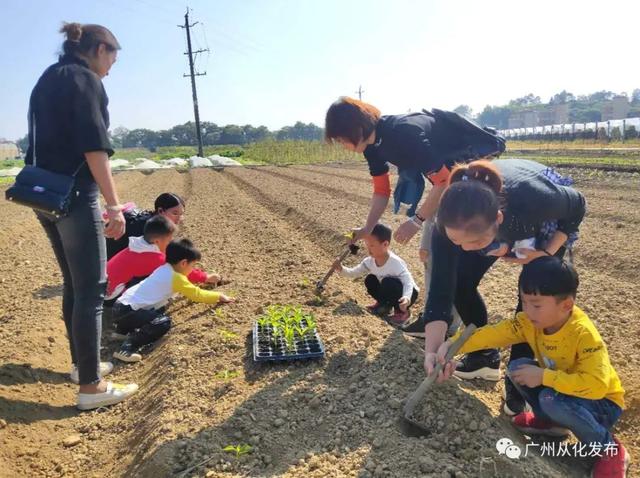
(266, 349)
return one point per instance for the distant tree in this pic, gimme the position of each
(232, 134)
(464, 110)
(118, 135)
(602, 134)
(527, 100)
(600, 96)
(616, 135)
(140, 138)
(635, 97)
(560, 98)
(496, 116)
(23, 143)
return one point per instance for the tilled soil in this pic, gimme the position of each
(274, 232)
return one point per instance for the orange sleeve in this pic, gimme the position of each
(440, 177)
(382, 185)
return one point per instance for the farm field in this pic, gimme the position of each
(275, 231)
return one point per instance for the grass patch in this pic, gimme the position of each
(11, 163)
(5, 181)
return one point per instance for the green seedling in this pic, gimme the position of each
(311, 323)
(289, 338)
(305, 283)
(239, 450)
(227, 335)
(219, 313)
(227, 374)
(288, 323)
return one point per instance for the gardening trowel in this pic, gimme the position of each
(410, 425)
(351, 249)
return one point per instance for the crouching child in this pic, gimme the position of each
(139, 314)
(387, 280)
(571, 385)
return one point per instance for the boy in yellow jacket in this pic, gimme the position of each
(571, 385)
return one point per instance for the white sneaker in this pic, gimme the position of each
(127, 355)
(115, 393)
(105, 369)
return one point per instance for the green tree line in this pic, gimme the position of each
(582, 108)
(212, 134)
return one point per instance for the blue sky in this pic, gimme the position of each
(274, 62)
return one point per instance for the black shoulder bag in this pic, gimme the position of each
(41, 189)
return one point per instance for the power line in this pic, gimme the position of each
(359, 92)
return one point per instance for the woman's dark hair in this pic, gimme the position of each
(472, 198)
(167, 201)
(158, 226)
(549, 275)
(85, 39)
(381, 232)
(350, 119)
(180, 250)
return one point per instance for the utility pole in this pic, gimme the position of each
(193, 75)
(360, 91)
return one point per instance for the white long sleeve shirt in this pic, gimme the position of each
(156, 290)
(393, 267)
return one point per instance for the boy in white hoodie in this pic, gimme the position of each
(387, 280)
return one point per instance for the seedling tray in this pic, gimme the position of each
(266, 348)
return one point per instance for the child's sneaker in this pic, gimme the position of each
(105, 369)
(373, 307)
(378, 309)
(614, 462)
(127, 353)
(529, 424)
(115, 393)
(400, 318)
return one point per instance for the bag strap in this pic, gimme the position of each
(78, 169)
(33, 135)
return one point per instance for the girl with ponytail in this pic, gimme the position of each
(485, 210)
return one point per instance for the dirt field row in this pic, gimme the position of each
(275, 231)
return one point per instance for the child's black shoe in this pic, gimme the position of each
(127, 353)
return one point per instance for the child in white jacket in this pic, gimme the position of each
(387, 280)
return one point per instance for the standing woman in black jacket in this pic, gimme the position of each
(68, 123)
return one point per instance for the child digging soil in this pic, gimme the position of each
(571, 385)
(388, 279)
